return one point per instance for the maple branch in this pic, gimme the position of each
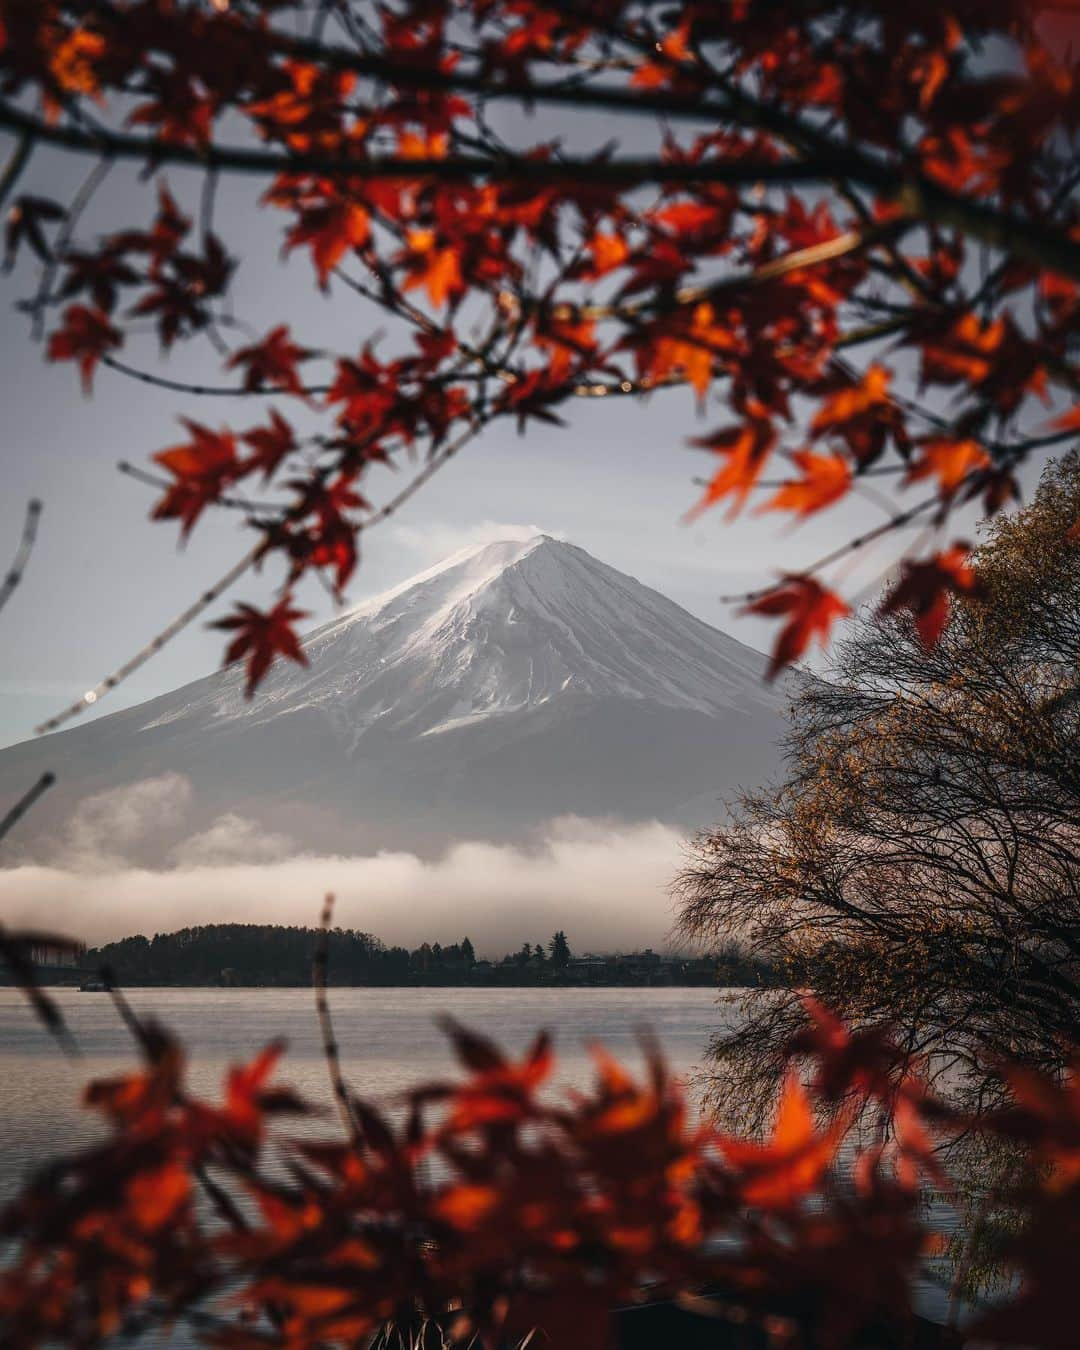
(205, 390)
(319, 967)
(851, 546)
(1024, 238)
(25, 802)
(83, 198)
(22, 553)
(457, 168)
(164, 484)
(156, 643)
(851, 241)
(15, 165)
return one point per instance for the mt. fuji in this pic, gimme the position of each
(511, 684)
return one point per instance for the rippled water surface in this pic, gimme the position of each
(389, 1041)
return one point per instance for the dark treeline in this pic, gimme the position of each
(270, 954)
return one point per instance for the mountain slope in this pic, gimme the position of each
(509, 684)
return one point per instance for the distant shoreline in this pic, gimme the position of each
(72, 980)
(272, 956)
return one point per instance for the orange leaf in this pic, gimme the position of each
(747, 447)
(791, 1164)
(965, 352)
(871, 392)
(1069, 421)
(154, 1197)
(609, 251)
(466, 1206)
(329, 231)
(826, 478)
(690, 344)
(436, 269)
(950, 462)
(72, 62)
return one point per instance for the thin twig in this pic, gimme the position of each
(22, 553)
(15, 165)
(205, 390)
(155, 645)
(842, 246)
(852, 546)
(163, 484)
(319, 967)
(25, 802)
(82, 200)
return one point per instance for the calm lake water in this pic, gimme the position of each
(389, 1042)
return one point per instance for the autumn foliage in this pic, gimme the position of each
(500, 1208)
(846, 229)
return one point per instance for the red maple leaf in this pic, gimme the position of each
(86, 336)
(201, 468)
(329, 230)
(100, 274)
(925, 588)
(262, 636)
(949, 461)
(272, 444)
(271, 362)
(436, 268)
(864, 1061)
(811, 608)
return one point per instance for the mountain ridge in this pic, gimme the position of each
(512, 682)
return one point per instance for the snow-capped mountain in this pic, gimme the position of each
(508, 685)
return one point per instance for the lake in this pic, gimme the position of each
(389, 1042)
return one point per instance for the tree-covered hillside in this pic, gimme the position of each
(270, 954)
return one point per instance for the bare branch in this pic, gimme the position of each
(17, 569)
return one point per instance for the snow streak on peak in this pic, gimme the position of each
(513, 683)
(467, 570)
(501, 629)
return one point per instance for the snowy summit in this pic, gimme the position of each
(511, 683)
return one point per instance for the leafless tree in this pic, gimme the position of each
(921, 863)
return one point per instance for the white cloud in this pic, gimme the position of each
(606, 885)
(232, 839)
(433, 542)
(106, 826)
